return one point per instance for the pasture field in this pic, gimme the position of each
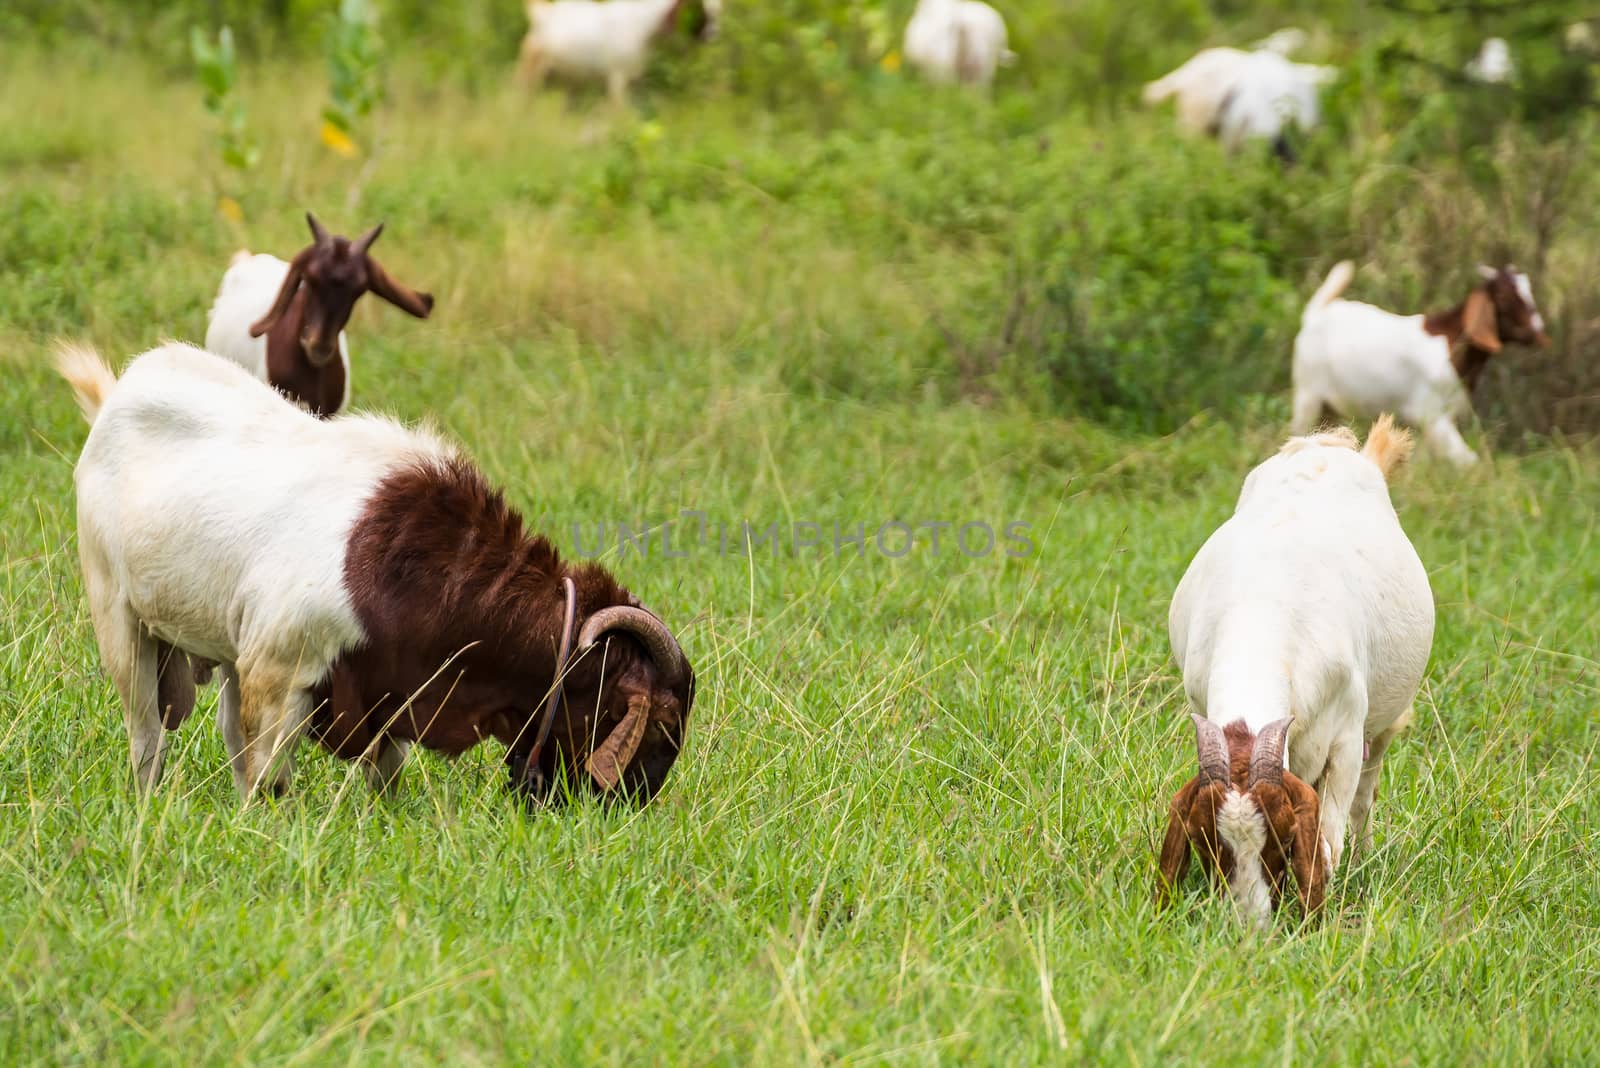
(917, 815)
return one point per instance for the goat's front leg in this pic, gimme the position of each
(382, 762)
(617, 88)
(228, 724)
(1442, 436)
(273, 710)
(1367, 788)
(1337, 790)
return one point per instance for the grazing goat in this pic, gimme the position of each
(1492, 65)
(301, 307)
(351, 576)
(594, 39)
(1360, 360)
(959, 42)
(1237, 96)
(1302, 629)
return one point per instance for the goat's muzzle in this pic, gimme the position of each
(319, 352)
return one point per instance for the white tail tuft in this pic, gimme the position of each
(1331, 287)
(239, 257)
(91, 380)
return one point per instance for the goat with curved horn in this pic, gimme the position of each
(1212, 749)
(1266, 759)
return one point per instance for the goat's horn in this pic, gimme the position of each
(318, 233)
(607, 763)
(1212, 749)
(658, 640)
(365, 241)
(1266, 759)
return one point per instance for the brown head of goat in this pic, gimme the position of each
(1251, 821)
(324, 281)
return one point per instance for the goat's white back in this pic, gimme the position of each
(221, 514)
(1364, 360)
(585, 37)
(1310, 587)
(956, 41)
(1268, 93)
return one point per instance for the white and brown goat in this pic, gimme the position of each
(1302, 629)
(284, 322)
(1360, 360)
(352, 577)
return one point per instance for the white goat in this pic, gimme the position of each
(957, 41)
(1238, 95)
(352, 577)
(1360, 360)
(1268, 94)
(1302, 628)
(1492, 65)
(594, 39)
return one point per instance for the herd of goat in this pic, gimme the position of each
(350, 579)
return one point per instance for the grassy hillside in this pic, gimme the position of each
(917, 814)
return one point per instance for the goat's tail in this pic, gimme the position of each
(1331, 287)
(91, 380)
(240, 256)
(1157, 91)
(1387, 445)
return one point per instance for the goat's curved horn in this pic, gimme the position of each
(1266, 759)
(1212, 749)
(318, 233)
(365, 241)
(658, 640)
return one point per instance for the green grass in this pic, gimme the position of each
(917, 814)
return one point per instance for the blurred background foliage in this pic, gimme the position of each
(1111, 268)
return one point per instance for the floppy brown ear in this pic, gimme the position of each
(280, 305)
(1175, 847)
(401, 296)
(1306, 858)
(1477, 321)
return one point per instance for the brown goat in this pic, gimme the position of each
(464, 645)
(303, 355)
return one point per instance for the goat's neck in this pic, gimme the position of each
(289, 366)
(1468, 359)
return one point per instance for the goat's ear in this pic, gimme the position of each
(401, 296)
(1306, 858)
(1477, 321)
(280, 305)
(1175, 847)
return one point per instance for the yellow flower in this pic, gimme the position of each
(229, 209)
(339, 141)
(890, 62)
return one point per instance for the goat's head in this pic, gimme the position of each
(1502, 309)
(698, 18)
(1250, 821)
(628, 692)
(334, 271)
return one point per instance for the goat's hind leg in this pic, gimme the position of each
(130, 656)
(1307, 411)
